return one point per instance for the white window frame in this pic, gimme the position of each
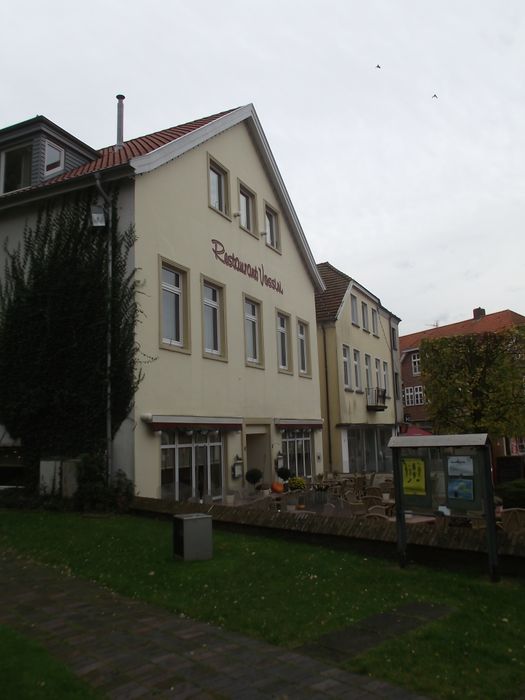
(252, 321)
(271, 228)
(215, 307)
(3, 153)
(375, 324)
(347, 382)
(385, 377)
(60, 166)
(248, 219)
(378, 373)
(416, 364)
(353, 310)
(222, 205)
(303, 347)
(356, 361)
(284, 359)
(364, 315)
(368, 371)
(408, 396)
(181, 295)
(419, 395)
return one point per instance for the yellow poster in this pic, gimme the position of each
(413, 476)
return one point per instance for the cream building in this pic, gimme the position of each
(228, 310)
(359, 368)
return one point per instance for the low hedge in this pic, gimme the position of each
(512, 493)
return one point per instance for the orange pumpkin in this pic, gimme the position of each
(277, 487)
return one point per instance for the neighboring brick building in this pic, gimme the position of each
(414, 403)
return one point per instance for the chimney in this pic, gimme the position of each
(120, 121)
(478, 313)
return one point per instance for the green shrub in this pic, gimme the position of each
(284, 473)
(94, 493)
(296, 483)
(512, 493)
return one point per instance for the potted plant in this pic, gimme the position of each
(284, 474)
(253, 476)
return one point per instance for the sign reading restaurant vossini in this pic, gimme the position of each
(256, 272)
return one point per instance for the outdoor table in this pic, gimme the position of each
(416, 519)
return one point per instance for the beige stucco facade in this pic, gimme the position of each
(175, 224)
(358, 355)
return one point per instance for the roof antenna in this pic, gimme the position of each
(120, 121)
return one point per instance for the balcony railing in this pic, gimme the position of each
(376, 399)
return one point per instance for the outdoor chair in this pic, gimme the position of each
(513, 520)
(376, 516)
(374, 491)
(377, 510)
(357, 508)
(370, 501)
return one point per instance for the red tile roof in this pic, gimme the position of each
(328, 303)
(111, 156)
(490, 323)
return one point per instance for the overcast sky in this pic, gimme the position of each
(419, 198)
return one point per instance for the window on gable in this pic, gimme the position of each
(375, 326)
(15, 168)
(218, 188)
(394, 338)
(174, 312)
(247, 209)
(416, 364)
(364, 314)
(353, 308)
(54, 160)
(271, 228)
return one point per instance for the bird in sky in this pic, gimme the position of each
(434, 95)
(378, 66)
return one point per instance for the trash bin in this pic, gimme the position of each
(192, 536)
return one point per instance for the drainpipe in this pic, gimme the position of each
(390, 315)
(109, 441)
(327, 400)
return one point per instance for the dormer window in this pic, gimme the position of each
(54, 159)
(15, 169)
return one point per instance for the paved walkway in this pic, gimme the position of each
(129, 649)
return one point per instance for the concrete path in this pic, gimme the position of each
(129, 649)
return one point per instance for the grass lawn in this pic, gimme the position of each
(28, 672)
(290, 593)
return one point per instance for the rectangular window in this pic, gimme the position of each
(213, 319)
(297, 452)
(15, 169)
(396, 384)
(252, 331)
(378, 373)
(303, 347)
(54, 161)
(346, 367)
(174, 312)
(408, 396)
(368, 371)
(357, 370)
(271, 228)
(385, 377)
(246, 209)
(353, 306)
(364, 314)
(218, 187)
(419, 398)
(283, 334)
(375, 327)
(416, 366)
(394, 339)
